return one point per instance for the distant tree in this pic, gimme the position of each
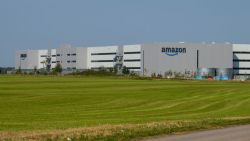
(43, 62)
(58, 68)
(125, 70)
(111, 70)
(102, 69)
(159, 75)
(153, 75)
(19, 70)
(35, 70)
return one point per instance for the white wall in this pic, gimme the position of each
(29, 62)
(64, 50)
(104, 49)
(241, 58)
(53, 58)
(241, 47)
(242, 64)
(132, 48)
(42, 59)
(242, 71)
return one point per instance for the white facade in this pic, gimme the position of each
(30, 59)
(241, 59)
(82, 58)
(101, 56)
(132, 57)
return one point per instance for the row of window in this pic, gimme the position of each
(53, 62)
(134, 68)
(73, 54)
(73, 61)
(136, 52)
(127, 60)
(114, 53)
(241, 60)
(241, 52)
(69, 68)
(51, 55)
(112, 67)
(241, 68)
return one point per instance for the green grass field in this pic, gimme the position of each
(31, 103)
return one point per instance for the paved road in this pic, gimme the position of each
(241, 133)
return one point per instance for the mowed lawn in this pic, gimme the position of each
(53, 102)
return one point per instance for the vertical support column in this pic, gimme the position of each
(143, 63)
(197, 60)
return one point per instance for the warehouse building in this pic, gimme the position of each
(219, 61)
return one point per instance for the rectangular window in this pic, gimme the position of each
(241, 52)
(58, 55)
(74, 61)
(132, 60)
(241, 68)
(240, 60)
(53, 62)
(134, 67)
(68, 61)
(102, 60)
(97, 68)
(111, 53)
(53, 55)
(43, 55)
(74, 54)
(23, 55)
(68, 54)
(136, 52)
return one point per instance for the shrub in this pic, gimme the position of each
(57, 69)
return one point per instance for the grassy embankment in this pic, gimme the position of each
(110, 108)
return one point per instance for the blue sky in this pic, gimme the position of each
(40, 24)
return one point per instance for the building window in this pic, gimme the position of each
(58, 55)
(68, 54)
(43, 55)
(98, 68)
(74, 54)
(53, 62)
(134, 67)
(136, 52)
(74, 61)
(23, 55)
(102, 60)
(68, 61)
(241, 52)
(132, 60)
(241, 68)
(111, 53)
(241, 60)
(53, 55)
